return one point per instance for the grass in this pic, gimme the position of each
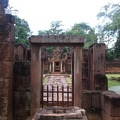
(45, 79)
(68, 79)
(112, 83)
(112, 75)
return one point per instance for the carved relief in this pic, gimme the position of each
(6, 70)
(4, 87)
(6, 52)
(5, 28)
(21, 88)
(22, 83)
(3, 106)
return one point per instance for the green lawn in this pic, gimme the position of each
(112, 75)
(45, 79)
(112, 83)
(68, 79)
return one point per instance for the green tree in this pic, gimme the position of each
(55, 29)
(22, 31)
(110, 30)
(83, 29)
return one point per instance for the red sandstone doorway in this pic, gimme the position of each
(36, 71)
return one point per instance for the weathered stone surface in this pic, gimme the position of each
(22, 69)
(6, 70)
(9, 18)
(105, 116)
(6, 32)
(60, 113)
(7, 52)
(99, 58)
(101, 82)
(57, 39)
(86, 99)
(3, 106)
(20, 53)
(112, 104)
(93, 114)
(4, 87)
(96, 103)
(102, 97)
(22, 83)
(3, 118)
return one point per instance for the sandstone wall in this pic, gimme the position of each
(101, 105)
(6, 62)
(21, 90)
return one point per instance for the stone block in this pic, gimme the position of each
(0, 68)
(4, 87)
(21, 101)
(11, 35)
(21, 83)
(3, 118)
(102, 97)
(22, 113)
(108, 117)
(6, 70)
(7, 52)
(69, 113)
(112, 104)
(93, 114)
(22, 69)
(86, 99)
(3, 106)
(96, 103)
(7, 31)
(9, 18)
(101, 82)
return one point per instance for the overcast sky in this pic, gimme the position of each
(40, 13)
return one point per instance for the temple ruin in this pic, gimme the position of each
(22, 71)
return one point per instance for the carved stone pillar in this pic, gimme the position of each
(53, 63)
(78, 76)
(61, 68)
(36, 81)
(50, 67)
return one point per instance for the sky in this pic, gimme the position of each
(40, 13)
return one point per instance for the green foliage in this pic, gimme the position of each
(55, 29)
(49, 50)
(110, 31)
(64, 49)
(45, 80)
(22, 31)
(86, 31)
(117, 46)
(112, 83)
(110, 54)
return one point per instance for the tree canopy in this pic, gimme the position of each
(55, 29)
(110, 30)
(22, 31)
(83, 29)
